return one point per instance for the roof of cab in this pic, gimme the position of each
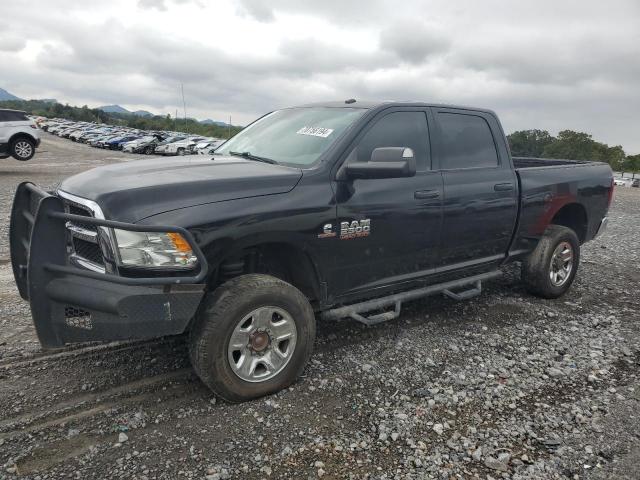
(369, 104)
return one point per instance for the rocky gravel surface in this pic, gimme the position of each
(502, 386)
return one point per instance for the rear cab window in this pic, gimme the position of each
(466, 141)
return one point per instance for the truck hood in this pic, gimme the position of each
(131, 191)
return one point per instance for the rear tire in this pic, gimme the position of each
(550, 269)
(235, 344)
(22, 149)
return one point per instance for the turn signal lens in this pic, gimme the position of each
(179, 242)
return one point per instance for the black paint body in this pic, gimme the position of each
(438, 225)
(231, 203)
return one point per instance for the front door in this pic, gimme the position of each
(388, 229)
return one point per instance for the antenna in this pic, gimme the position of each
(229, 129)
(184, 106)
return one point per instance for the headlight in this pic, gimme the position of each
(154, 249)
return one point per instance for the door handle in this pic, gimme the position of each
(503, 187)
(425, 194)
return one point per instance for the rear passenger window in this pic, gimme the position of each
(398, 129)
(8, 116)
(466, 142)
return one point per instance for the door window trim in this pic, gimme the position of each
(439, 147)
(377, 117)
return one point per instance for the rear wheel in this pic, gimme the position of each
(551, 268)
(148, 150)
(253, 337)
(181, 151)
(23, 149)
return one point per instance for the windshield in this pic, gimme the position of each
(295, 135)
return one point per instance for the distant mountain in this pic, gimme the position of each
(4, 96)
(142, 113)
(114, 109)
(208, 121)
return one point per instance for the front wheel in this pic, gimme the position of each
(253, 337)
(550, 269)
(23, 149)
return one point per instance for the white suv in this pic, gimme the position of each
(19, 135)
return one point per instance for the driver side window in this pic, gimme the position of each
(397, 129)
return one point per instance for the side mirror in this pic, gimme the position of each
(386, 162)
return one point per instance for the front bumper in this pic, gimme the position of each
(70, 304)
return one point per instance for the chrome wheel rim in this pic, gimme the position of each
(262, 344)
(561, 264)
(23, 149)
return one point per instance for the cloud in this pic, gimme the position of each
(413, 41)
(539, 64)
(11, 43)
(257, 9)
(157, 4)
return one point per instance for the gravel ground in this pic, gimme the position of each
(502, 386)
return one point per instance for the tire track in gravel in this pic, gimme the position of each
(96, 402)
(84, 352)
(348, 335)
(51, 453)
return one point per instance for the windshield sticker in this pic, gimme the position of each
(315, 131)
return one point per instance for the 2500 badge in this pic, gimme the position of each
(348, 230)
(355, 229)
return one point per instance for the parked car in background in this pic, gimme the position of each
(116, 144)
(146, 144)
(182, 147)
(636, 183)
(161, 148)
(19, 135)
(623, 182)
(207, 148)
(130, 140)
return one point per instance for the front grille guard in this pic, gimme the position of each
(38, 240)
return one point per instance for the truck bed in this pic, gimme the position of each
(546, 185)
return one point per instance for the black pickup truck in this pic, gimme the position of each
(333, 210)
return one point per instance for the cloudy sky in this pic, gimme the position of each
(540, 64)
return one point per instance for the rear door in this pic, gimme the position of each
(9, 120)
(4, 127)
(395, 221)
(480, 189)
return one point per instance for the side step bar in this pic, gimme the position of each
(356, 310)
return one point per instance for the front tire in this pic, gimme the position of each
(550, 269)
(253, 337)
(23, 149)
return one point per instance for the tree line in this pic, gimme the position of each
(568, 144)
(571, 145)
(86, 114)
